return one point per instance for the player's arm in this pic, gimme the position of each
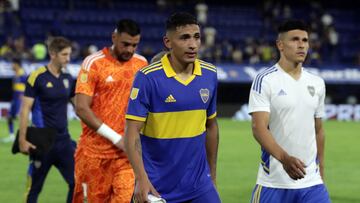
(83, 110)
(143, 185)
(212, 143)
(72, 101)
(293, 166)
(320, 142)
(26, 105)
(72, 94)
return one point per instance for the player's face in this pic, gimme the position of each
(124, 45)
(63, 57)
(294, 45)
(184, 43)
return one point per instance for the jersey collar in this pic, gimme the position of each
(169, 71)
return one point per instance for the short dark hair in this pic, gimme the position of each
(180, 19)
(57, 44)
(128, 26)
(293, 25)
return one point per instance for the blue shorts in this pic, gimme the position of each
(14, 108)
(210, 196)
(313, 194)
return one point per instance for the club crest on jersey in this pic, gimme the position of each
(311, 90)
(134, 93)
(83, 77)
(204, 94)
(66, 83)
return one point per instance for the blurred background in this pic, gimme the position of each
(237, 36)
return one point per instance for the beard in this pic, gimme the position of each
(124, 56)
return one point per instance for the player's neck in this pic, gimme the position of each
(291, 68)
(183, 70)
(54, 69)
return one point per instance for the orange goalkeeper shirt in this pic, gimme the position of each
(108, 82)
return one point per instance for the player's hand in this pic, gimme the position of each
(25, 146)
(121, 145)
(294, 167)
(142, 188)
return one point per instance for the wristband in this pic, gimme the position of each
(109, 133)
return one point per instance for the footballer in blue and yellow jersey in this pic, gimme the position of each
(174, 113)
(18, 85)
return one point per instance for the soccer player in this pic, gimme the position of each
(286, 104)
(19, 81)
(171, 133)
(102, 170)
(47, 93)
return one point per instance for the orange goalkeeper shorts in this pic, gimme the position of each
(103, 180)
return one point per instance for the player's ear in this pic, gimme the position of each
(113, 37)
(167, 42)
(52, 54)
(279, 44)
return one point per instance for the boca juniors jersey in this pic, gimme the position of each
(173, 137)
(51, 95)
(293, 106)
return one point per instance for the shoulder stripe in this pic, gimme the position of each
(140, 57)
(90, 59)
(211, 69)
(153, 65)
(259, 78)
(86, 60)
(32, 78)
(206, 63)
(152, 70)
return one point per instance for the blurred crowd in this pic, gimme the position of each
(324, 38)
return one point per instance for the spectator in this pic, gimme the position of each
(201, 11)
(7, 49)
(21, 49)
(210, 35)
(237, 56)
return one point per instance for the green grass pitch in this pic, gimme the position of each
(237, 164)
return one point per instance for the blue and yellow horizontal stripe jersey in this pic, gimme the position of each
(174, 112)
(19, 81)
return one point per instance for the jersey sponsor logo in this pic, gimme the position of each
(311, 90)
(134, 93)
(109, 79)
(49, 85)
(83, 77)
(282, 93)
(66, 83)
(170, 99)
(204, 94)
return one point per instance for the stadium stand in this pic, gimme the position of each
(245, 26)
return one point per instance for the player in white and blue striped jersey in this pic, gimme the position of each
(287, 103)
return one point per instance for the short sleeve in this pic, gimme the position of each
(259, 99)
(320, 110)
(139, 100)
(31, 87)
(86, 80)
(211, 111)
